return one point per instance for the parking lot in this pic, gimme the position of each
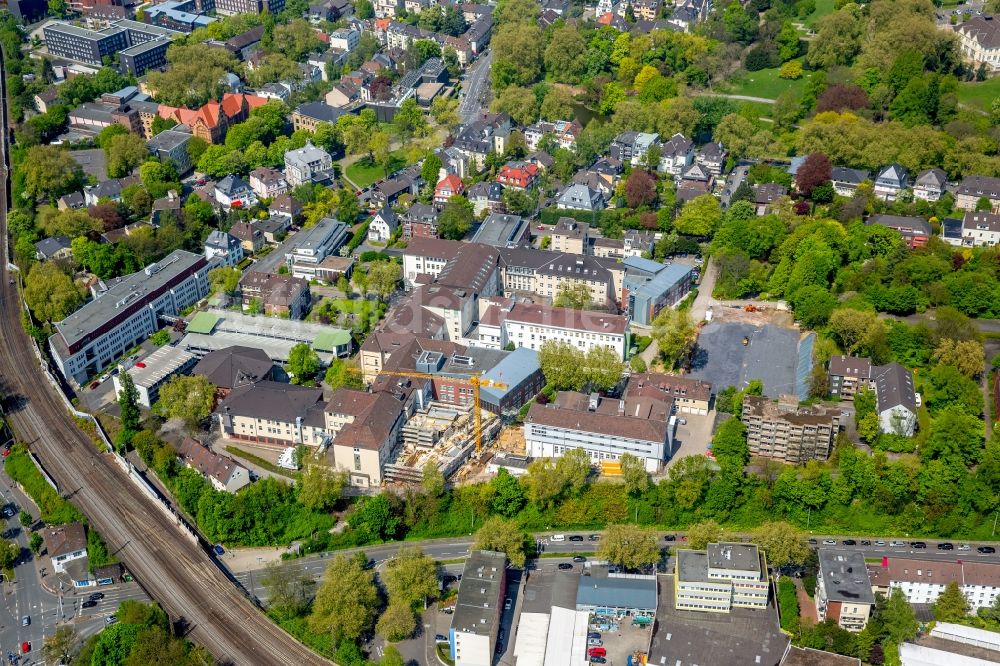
(771, 355)
(692, 437)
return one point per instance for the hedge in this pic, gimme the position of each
(54, 509)
(788, 604)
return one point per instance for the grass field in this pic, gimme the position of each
(823, 8)
(766, 83)
(979, 95)
(363, 173)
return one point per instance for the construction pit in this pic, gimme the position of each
(445, 435)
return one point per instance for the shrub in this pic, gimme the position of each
(788, 603)
(791, 70)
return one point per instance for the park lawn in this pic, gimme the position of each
(823, 8)
(363, 173)
(767, 84)
(979, 94)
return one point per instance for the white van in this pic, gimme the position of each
(557, 537)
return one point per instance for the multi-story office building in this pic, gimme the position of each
(476, 622)
(604, 428)
(844, 592)
(649, 287)
(142, 46)
(570, 236)
(785, 431)
(313, 245)
(720, 578)
(125, 313)
(530, 325)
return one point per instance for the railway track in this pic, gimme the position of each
(175, 571)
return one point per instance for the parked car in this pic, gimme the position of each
(964, 546)
(813, 542)
(565, 566)
(594, 642)
(896, 544)
(594, 634)
(829, 542)
(850, 542)
(219, 550)
(576, 537)
(111, 619)
(986, 550)
(579, 558)
(946, 546)
(866, 542)
(670, 537)
(594, 537)
(508, 603)
(441, 638)
(880, 543)
(598, 660)
(597, 652)
(918, 544)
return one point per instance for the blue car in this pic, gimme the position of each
(219, 550)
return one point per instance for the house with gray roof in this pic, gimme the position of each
(844, 590)
(503, 230)
(631, 593)
(930, 185)
(845, 181)
(54, 247)
(891, 181)
(476, 622)
(896, 401)
(579, 196)
(650, 286)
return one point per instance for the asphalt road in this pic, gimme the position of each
(476, 88)
(176, 571)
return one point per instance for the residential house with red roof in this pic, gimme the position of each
(449, 186)
(518, 175)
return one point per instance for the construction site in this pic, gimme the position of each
(444, 435)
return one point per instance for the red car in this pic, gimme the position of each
(25, 647)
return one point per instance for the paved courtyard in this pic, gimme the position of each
(774, 355)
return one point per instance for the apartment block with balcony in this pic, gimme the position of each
(783, 430)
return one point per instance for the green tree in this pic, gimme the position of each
(557, 104)
(115, 644)
(965, 355)
(562, 364)
(224, 279)
(575, 295)
(348, 208)
(699, 217)
(782, 542)
(36, 542)
(342, 374)
(703, 533)
(897, 618)
(397, 622)
(634, 474)
(430, 168)
(456, 218)
(124, 153)
(729, 445)
(345, 603)
(59, 647)
(603, 368)
(188, 398)
(813, 305)
(503, 536)
(320, 486)
(566, 55)
(49, 172)
(289, 589)
(951, 605)
(303, 363)
(50, 293)
(9, 554)
(629, 546)
(674, 334)
(432, 480)
(508, 496)
(384, 277)
(195, 76)
(128, 405)
(410, 577)
(374, 519)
